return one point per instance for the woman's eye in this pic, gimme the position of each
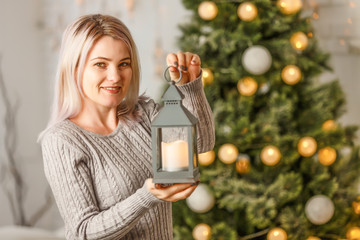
(124, 64)
(102, 65)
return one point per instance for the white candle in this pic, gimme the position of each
(175, 156)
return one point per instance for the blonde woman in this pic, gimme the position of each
(97, 146)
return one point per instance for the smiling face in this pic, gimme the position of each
(107, 74)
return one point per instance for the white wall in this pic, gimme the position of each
(29, 41)
(23, 66)
(338, 32)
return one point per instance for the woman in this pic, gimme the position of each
(97, 146)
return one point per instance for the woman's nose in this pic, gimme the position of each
(114, 74)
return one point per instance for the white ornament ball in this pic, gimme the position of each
(319, 209)
(257, 60)
(201, 200)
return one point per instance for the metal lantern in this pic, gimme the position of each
(174, 140)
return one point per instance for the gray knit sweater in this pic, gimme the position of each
(98, 180)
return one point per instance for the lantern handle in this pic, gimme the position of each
(169, 80)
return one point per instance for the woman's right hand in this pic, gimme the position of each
(171, 193)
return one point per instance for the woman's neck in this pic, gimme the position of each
(98, 121)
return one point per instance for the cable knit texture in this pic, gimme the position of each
(98, 180)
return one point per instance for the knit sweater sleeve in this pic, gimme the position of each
(66, 170)
(195, 101)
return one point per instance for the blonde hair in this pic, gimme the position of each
(77, 40)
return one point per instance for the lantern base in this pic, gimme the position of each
(170, 178)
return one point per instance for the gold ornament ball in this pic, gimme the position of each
(289, 6)
(327, 156)
(270, 155)
(291, 74)
(307, 146)
(243, 165)
(247, 11)
(228, 153)
(299, 41)
(276, 234)
(207, 76)
(353, 233)
(207, 158)
(207, 10)
(329, 125)
(202, 231)
(313, 238)
(356, 205)
(247, 86)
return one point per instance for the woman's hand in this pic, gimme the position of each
(188, 63)
(171, 193)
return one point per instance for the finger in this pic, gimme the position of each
(194, 67)
(195, 60)
(188, 57)
(182, 61)
(166, 193)
(172, 60)
(182, 195)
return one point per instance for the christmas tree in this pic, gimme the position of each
(283, 167)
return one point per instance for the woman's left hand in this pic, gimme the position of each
(188, 63)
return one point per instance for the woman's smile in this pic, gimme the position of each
(112, 90)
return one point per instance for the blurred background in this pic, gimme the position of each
(30, 35)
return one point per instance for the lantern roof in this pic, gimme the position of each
(174, 113)
(172, 93)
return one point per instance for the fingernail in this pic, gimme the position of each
(182, 67)
(176, 64)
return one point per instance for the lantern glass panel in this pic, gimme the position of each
(174, 149)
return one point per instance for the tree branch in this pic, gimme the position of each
(254, 235)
